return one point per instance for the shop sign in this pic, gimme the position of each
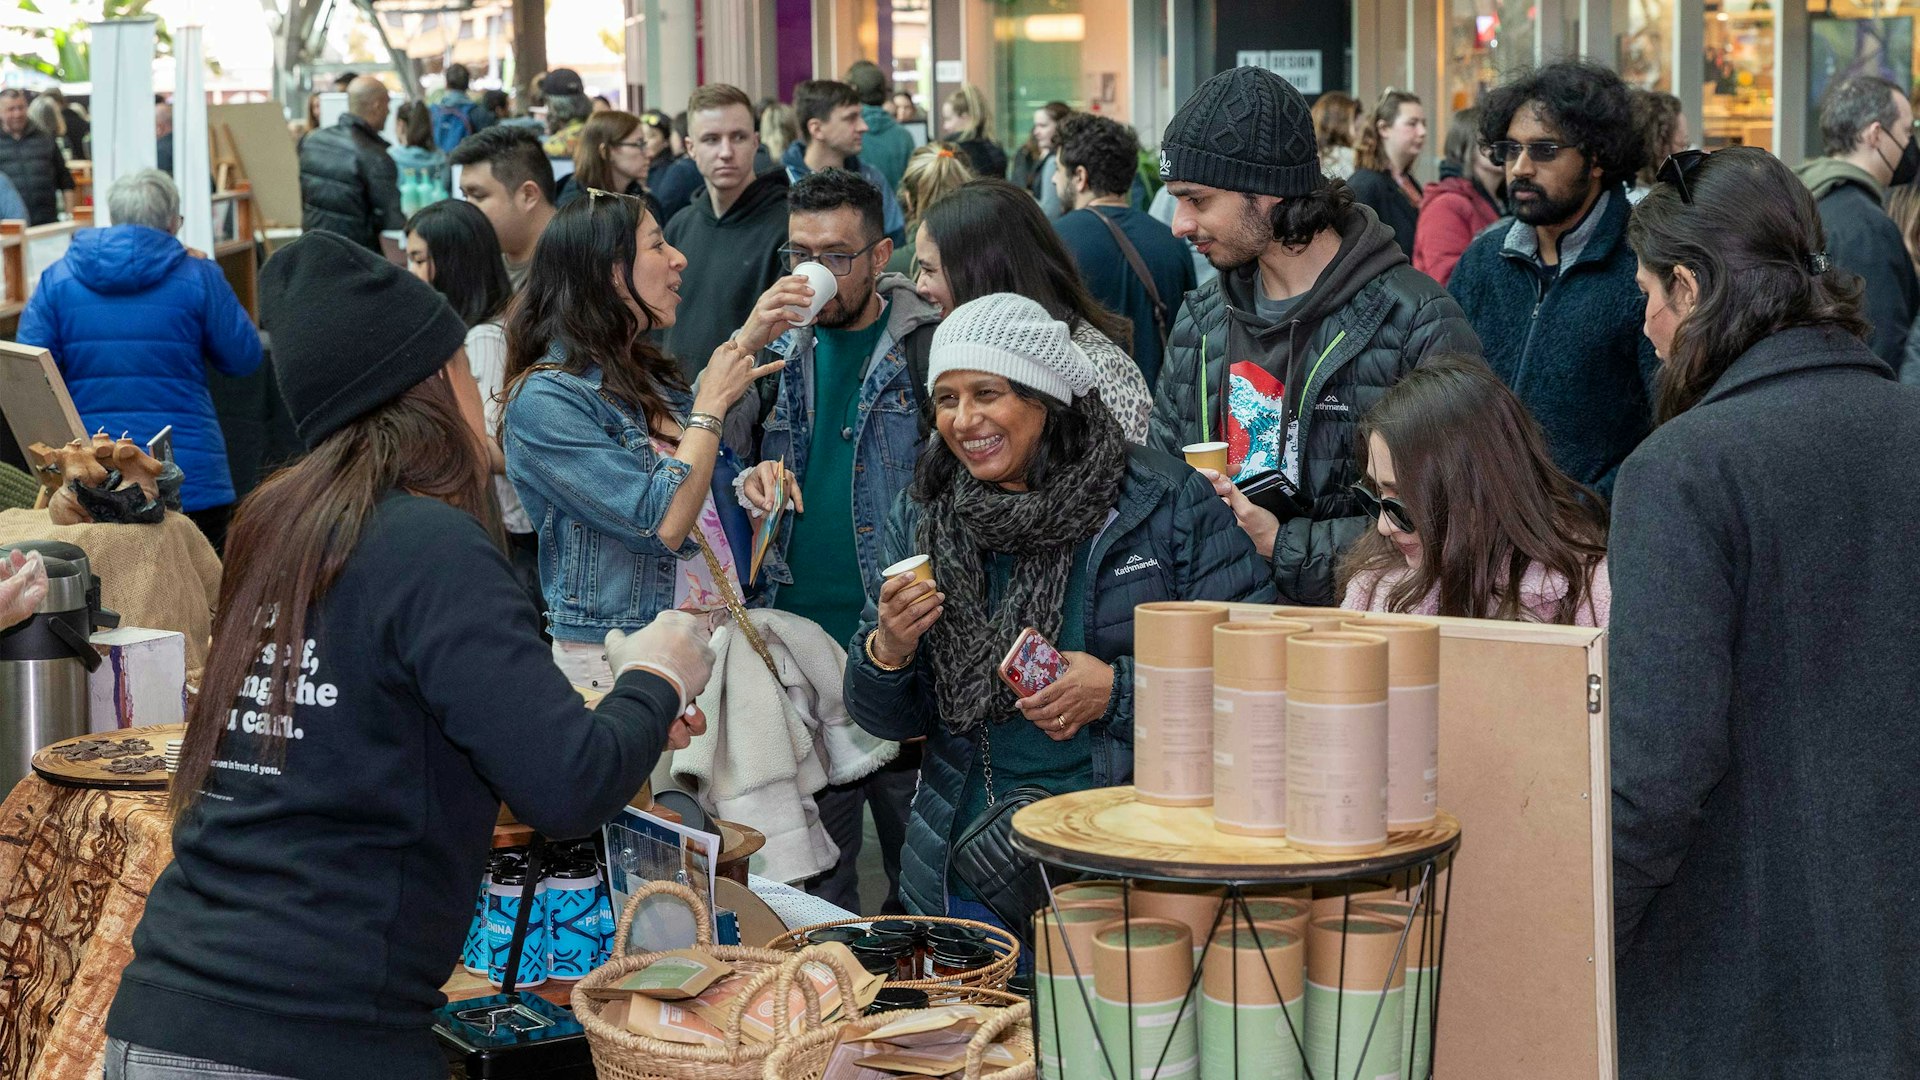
(1301, 67)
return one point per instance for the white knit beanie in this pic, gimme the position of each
(1011, 336)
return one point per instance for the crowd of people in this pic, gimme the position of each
(1586, 376)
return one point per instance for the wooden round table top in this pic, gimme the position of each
(1109, 831)
(50, 764)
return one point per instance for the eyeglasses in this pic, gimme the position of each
(1395, 510)
(602, 193)
(1674, 171)
(1506, 150)
(839, 262)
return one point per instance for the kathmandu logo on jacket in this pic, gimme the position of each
(1135, 563)
(1332, 404)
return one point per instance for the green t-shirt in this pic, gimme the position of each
(1022, 753)
(827, 585)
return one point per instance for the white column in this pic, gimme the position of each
(739, 49)
(1792, 26)
(670, 53)
(123, 136)
(191, 169)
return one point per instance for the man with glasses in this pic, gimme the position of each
(848, 423)
(1867, 127)
(731, 231)
(1550, 290)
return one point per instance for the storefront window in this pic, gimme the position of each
(1058, 50)
(1486, 40)
(1848, 38)
(1739, 101)
(1646, 50)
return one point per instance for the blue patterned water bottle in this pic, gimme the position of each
(503, 908)
(573, 920)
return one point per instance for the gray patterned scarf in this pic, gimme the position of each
(1040, 530)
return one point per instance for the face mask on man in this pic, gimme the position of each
(1907, 167)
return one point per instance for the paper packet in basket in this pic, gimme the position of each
(671, 1022)
(676, 976)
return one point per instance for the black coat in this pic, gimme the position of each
(1376, 189)
(1765, 608)
(1387, 318)
(1863, 239)
(1170, 538)
(731, 261)
(348, 183)
(34, 164)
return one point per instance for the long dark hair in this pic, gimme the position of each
(1059, 110)
(993, 238)
(1473, 469)
(570, 300)
(1749, 235)
(1371, 150)
(292, 537)
(1066, 435)
(467, 268)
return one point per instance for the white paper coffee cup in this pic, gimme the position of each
(825, 288)
(920, 566)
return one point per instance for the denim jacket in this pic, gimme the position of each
(887, 439)
(596, 491)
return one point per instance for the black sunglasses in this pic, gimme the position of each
(1507, 150)
(1374, 506)
(839, 262)
(1674, 171)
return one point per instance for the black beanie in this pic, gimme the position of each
(1244, 130)
(349, 330)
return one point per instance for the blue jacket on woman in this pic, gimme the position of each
(133, 321)
(596, 492)
(1169, 537)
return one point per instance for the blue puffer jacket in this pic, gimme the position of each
(133, 321)
(1169, 538)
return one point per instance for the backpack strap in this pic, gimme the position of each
(919, 362)
(1139, 266)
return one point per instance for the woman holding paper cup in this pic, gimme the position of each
(1033, 511)
(376, 685)
(617, 461)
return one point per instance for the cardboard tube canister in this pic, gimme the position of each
(1195, 906)
(1173, 702)
(1089, 894)
(1423, 978)
(1141, 972)
(1338, 898)
(1063, 989)
(1253, 1004)
(1337, 742)
(1324, 620)
(1413, 719)
(1279, 911)
(1353, 1028)
(1250, 726)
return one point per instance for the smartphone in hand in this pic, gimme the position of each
(1032, 664)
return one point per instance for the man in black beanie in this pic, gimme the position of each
(1315, 315)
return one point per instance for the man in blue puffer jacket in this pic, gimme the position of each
(133, 319)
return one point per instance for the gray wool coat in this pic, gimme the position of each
(1766, 758)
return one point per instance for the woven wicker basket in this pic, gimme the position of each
(619, 1054)
(994, 976)
(806, 1058)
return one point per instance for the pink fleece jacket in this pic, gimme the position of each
(1540, 593)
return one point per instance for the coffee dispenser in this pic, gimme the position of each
(45, 660)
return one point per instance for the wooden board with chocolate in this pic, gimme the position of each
(131, 759)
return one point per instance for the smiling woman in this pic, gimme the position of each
(1029, 504)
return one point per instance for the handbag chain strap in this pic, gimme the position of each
(735, 607)
(986, 759)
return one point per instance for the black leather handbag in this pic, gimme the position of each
(1008, 883)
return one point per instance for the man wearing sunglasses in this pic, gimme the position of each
(1550, 290)
(1867, 128)
(847, 423)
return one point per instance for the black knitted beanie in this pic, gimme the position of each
(349, 331)
(1244, 130)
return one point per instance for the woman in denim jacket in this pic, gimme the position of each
(615, 458)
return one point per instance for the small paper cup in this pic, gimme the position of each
(920, 566)
(825, 288)
(1207, 455)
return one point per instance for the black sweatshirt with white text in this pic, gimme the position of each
(317, 903)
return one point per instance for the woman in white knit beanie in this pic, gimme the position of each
(1036, 513)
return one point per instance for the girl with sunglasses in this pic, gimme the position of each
(1472, 518)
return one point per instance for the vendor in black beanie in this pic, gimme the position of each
(1315, 314)
(376, 686)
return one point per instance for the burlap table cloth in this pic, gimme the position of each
(75, 868)
(161, 577)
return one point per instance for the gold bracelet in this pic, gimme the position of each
(882, 664)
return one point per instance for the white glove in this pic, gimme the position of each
(23, 584)
(673, 646)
